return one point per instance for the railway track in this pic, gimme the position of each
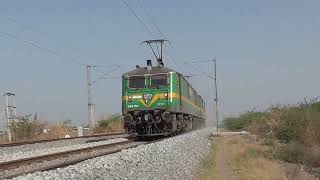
(59, 139)
(18, 167)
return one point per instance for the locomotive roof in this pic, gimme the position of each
(144, 70)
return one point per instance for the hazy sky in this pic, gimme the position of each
(267, 51)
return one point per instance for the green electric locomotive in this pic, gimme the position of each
(159, 101)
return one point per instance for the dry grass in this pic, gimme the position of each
(60, 130)
(246, 159)
(113, 127)
(209, 170)
(55, 130)
(3, 139)
(109, 125)
(296, 127)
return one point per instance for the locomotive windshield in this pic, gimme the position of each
(136, 82)
(159, 80)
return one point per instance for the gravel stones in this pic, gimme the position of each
(173, 158)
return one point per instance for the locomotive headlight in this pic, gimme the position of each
(166, 95)
(129, 98)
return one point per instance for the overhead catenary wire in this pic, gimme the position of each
(151, 19)
(103, 76)
(38, 46)
(36, 30)
(51, 51)
(72, 59)
(23, 25)
(198, 69)
(174, 61)
(148, 14)
(137, 17)
(170, 57)
(148, 29)
(160, 32)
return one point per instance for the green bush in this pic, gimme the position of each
(292, 124)
(23, 129)
(293, 153)
(296, 127)
(234, 124)
(106, 122)
(243, 121)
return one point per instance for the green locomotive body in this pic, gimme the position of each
(159, 101)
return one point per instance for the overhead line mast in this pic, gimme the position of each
(90, 82)
(216, 93)
(11, 112)
(91, 119)
(214, 78)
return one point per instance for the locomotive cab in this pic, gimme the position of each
(143, 88)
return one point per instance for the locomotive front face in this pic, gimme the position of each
(145, 98)
(146, 92)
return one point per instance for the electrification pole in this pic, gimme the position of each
(91, 106)
(11, 112)
(214, 78)
(216, 93)
(3, 127)
(90, 103)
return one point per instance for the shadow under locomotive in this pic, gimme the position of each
(160, 123)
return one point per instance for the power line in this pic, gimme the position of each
(104, 74)
(36, 30)
(143, 24)
(113, 77)
(159, 31)
(146, 27)
(90, 83)
(151, 19)
(24, 26)
(203, 61)
(35, 45)
(91, 105)
(174, 61)
(198, 69)
(104, 66)
(51, 51)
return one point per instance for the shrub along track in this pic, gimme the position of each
(15, 168)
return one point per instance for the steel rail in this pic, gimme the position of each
(16, 164)
(58, 139)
